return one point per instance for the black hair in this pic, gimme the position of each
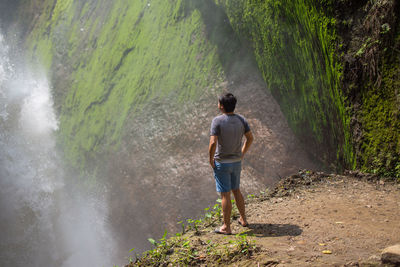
(228, 101)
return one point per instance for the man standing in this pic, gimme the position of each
(226, 153)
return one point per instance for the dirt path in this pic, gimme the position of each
(309, 219)
(353, 219)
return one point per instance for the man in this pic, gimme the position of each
(226, 153)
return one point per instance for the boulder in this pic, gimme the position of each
(391, 255)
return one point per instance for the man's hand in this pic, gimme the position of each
(247, 143)
(212, 163)
(211, 149)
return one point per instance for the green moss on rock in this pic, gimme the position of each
(295, 46)
(111, 57)
(136, 51)
(380, 149)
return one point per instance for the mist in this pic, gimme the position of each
(8, 9)
(47, 217)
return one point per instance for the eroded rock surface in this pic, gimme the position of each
(391, 255)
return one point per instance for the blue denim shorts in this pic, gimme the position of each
(227, 176)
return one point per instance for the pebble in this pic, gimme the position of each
(290, 249)
(374, 258)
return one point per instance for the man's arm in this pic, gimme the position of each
(247, 143)
(211, 149)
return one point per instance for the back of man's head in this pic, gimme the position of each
(228, 101)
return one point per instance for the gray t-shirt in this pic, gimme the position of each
(230, 129)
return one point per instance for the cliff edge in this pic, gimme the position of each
(309, 219)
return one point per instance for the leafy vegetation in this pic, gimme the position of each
(185, 249)
(180, 250)
(371, 81)
(380, 151)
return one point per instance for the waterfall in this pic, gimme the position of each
(45, 219)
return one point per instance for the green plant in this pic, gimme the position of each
(207, 215)
(158, 254)
(252, 196)
(187, 254)
(195, 225)
(212, 214)
(210, 249)
(368, 43)
(180, 251)
(130, 258)
(217, 211)
(182, 226)
(385, 28)
(245, 246)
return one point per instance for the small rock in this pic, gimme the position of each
(391, 255)
(374, 258)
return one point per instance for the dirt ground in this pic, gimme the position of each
(350, 218)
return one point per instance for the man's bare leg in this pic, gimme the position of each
(240, 205)
(226, 211)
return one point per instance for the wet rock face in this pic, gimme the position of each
(391, 255)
